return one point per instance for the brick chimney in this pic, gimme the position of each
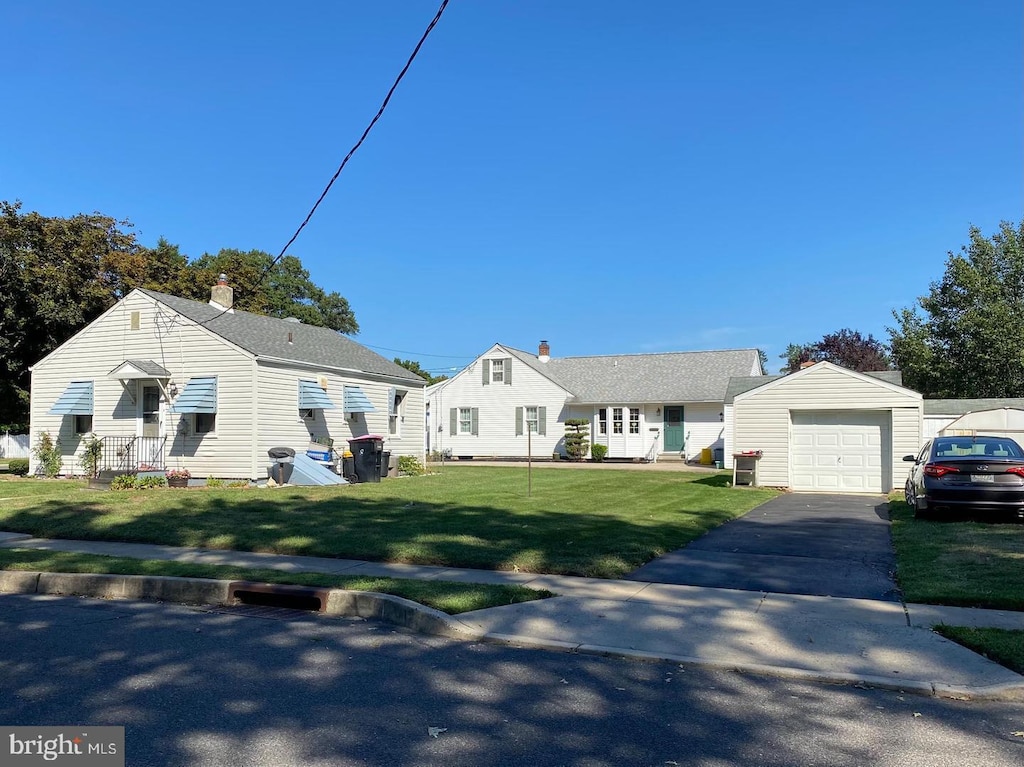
(806, 364)
(544, 351)
(221, 295)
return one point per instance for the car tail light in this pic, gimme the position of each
(1018, 470)
(938, 470)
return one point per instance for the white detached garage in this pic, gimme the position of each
(829, 429)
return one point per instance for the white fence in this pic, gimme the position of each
(14, 445)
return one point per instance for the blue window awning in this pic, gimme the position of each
(76, 400)
(356, 401)
(312, 397)
(198, 396)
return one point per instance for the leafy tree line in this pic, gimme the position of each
(58, 274)
(964, 339)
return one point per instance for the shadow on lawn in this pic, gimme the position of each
(382, 529)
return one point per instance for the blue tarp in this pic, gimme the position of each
(306, 471)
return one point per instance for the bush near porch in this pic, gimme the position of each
(602, 524)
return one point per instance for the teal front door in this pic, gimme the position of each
(675, 433)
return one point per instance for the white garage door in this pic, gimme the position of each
(839, 452)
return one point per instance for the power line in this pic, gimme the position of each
(421, 354)
(352, 151)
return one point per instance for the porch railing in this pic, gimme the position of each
(132, 454)
(652, 454)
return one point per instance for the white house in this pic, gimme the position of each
(641, 406)
(167, 382)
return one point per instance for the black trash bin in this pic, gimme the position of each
(367, 453)
(283, 462)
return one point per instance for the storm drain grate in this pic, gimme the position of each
(273, 595)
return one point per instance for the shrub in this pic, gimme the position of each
(48, 454)
(18, 466)
(214, 482)
(92, 453)
(147, 483)
(598, 452)
(410, 466)
(577, 442)
(124, 482)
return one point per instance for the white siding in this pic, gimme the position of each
(704, 428)
(496, 404)
(762, 417)
(279, 423)
(179, 346)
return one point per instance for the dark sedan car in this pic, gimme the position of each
(967, 474)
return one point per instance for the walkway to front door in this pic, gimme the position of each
(799, 543)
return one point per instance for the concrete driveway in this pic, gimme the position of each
(799, 543)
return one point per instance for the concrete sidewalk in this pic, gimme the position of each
(878, 643)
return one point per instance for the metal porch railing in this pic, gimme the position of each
(133, 454)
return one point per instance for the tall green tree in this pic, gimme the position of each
(966, 337)
(847, 348)
(52, 283)
(59, 274)
(282, 290)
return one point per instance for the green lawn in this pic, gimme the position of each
(1000, 645)
(452, 598)
(971, 564)
(596, 523)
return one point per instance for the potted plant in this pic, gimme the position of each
(178, 477)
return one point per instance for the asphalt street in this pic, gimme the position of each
(197, 686)
(798, 543)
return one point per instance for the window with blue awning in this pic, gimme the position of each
(198, 396)
(356, 400)
(312, 397)
(76, 400)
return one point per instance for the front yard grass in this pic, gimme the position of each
(970, 564)
(594, 523)
(448, 597)
(1000, 645)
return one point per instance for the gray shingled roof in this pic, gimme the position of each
(268, 337)
(150, 368)
(961, 406)
(742, 384)
(642, 378)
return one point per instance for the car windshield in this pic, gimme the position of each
(977, 447)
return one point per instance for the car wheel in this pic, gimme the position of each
(908, 493)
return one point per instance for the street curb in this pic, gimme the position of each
(416, 617)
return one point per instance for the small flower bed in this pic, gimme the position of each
(178, 474)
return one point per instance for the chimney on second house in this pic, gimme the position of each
(544, 351)
(221, 295)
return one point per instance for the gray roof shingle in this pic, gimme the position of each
(645, 378)
(268, 337)
(962, 406)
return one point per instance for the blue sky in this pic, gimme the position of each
(614, 178)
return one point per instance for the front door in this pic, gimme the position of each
(675, 432)
(150, 411)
